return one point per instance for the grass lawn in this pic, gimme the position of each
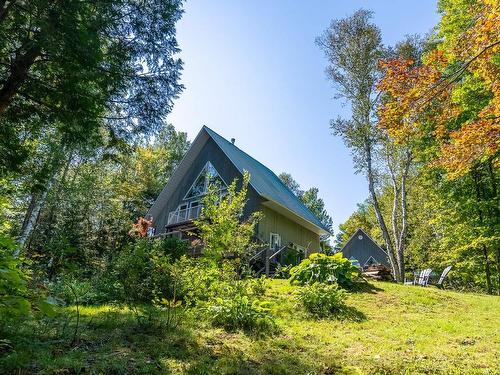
(389, 329)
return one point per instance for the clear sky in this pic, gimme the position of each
(253, 72)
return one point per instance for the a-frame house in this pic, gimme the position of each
(213, 158)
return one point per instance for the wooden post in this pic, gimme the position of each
(267, 255)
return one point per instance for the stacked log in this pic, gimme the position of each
(377, 272)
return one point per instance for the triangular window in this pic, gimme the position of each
(355, 262)
(207, 177)
(371, 260)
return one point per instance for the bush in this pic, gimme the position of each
(256, 287)
(94, 291)
(325, 269)
(173, 247)
(13, 282)
(199, 280)
(322, 300)
(283, 271)
(242, 312)
(143, 271)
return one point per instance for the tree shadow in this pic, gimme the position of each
(113, 341)
(365, 287)
(352, 314)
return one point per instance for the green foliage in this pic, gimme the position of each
(325, 269)
(310, 199)
(256, 286)
(74, 70)
(94, 291)
(322, 300)
(144, 272)
(14, 300)
(221, 226)
(397, 317)
(242, 312)
(283, 271)
(199, 280)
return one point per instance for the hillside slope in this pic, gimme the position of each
(388, 329)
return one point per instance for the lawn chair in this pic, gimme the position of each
(443, 275)
(421, 278)
(416, 275)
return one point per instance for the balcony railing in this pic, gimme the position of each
(185, 215)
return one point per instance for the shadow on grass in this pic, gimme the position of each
(111, 341)
(351, 314)
(365, 287)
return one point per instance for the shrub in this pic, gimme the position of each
(283, 271)
(325, 268)
(173, 247)
(13, 282)
(221, 225)
(242, 312)
(199, 280)
(256, 287)
(143, 271)
(321, 299)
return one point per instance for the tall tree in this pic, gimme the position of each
(78, 65)
(449, 103)
(88, 73)
(353, 47)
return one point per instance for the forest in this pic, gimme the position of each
(86, 147)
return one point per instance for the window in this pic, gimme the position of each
(355, 262)
(274, 240)
(371, 260)
(208, 176)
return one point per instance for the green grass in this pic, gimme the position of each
(388, 329)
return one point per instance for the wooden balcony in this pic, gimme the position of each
(183, 216)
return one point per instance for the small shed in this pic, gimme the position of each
(364, 250)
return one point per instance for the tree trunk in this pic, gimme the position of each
(378, 212)
(487, 270)
(18, 73)
(494, 191)
(36, 204)
(394, 216)
(404, 214)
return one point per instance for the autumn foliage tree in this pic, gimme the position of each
(449, 104)
(455, 93)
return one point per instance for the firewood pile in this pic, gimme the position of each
(377, 272)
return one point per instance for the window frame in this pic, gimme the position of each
(206, 167)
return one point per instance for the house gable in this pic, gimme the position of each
(204, 152)
(362, 248)
(230, 162)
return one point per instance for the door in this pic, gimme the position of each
(275, 241)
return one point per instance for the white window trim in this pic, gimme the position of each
(206, 187)
(374, 260)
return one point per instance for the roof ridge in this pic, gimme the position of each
(214, 135)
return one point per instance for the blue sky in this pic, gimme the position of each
(253, 72)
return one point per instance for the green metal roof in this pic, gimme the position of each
(264, 181)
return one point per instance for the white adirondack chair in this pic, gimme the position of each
(424, 277)
(421, 279)
(443, 275)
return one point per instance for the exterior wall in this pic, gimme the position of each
(210, 152)
(290, 231)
